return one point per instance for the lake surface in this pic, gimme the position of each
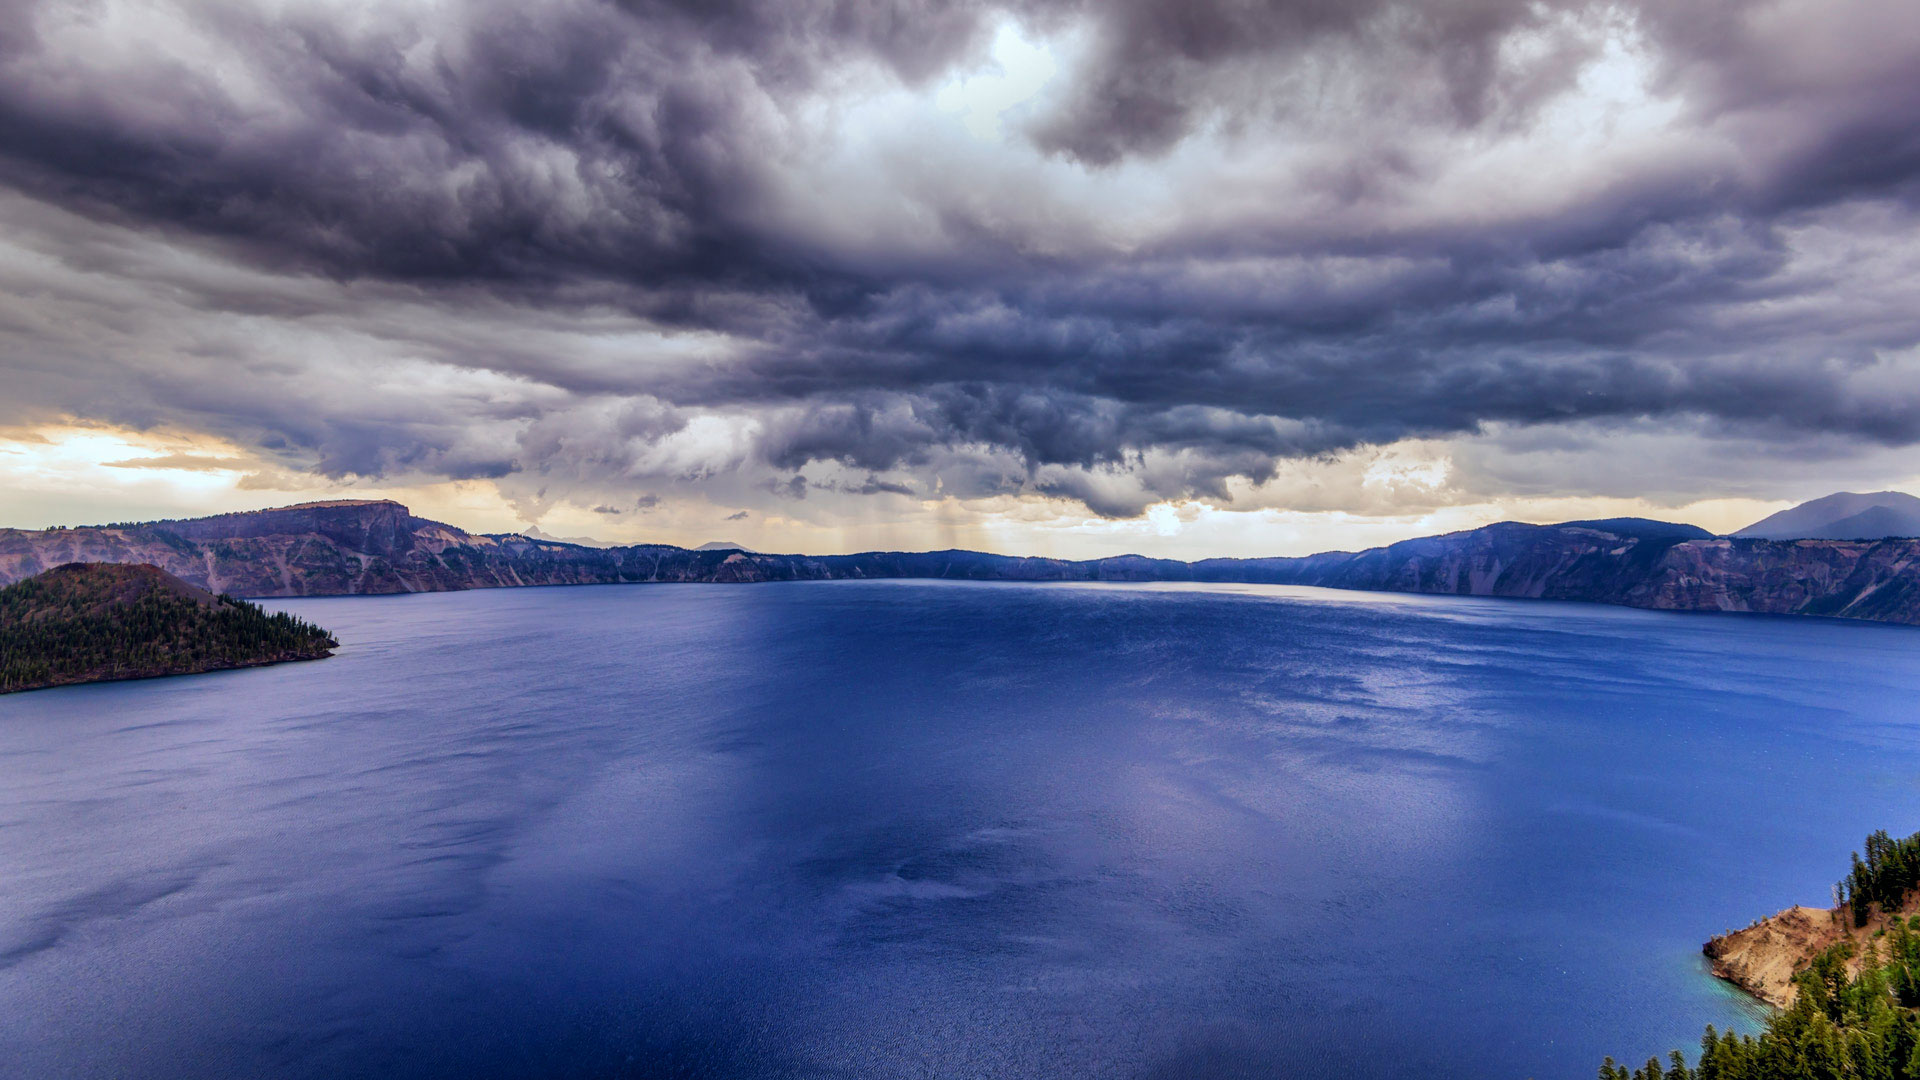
(879, 830)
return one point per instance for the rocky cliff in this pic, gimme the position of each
(1763, 958)
(1630, 562)
(335, 548)
(338, 548)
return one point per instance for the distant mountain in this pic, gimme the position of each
(1845, 516)
(322, 549)
(725, 545)
(92, 622)
(534, 533)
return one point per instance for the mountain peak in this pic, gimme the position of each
(1844, 515)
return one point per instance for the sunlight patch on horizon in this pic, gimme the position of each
(58, 456)
(76, 473)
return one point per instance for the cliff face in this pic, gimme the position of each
(1859, 579)
(329, 549)
(1625, 563)
(382, 528)
(321, 549)
(1550, 562)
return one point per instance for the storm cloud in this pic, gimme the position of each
(887, 249)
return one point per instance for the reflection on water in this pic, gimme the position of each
(922, 829)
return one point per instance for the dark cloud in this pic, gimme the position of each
(1228, 235)
(1162, 69)
(739, 515)
(873, 485)
(793, 487)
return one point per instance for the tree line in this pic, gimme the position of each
(56, 632)
(1884, 878)
(1859, 1027)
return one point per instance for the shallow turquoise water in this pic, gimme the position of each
(934, 830)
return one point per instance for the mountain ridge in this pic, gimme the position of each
(1844, 515)
(376, 547)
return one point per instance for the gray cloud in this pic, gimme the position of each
(1161, 69)
(584, 245)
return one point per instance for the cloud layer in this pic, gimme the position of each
(883, 252)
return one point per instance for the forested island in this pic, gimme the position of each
(95, 622)
(1851, 998)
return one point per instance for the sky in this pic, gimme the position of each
(1181, 277)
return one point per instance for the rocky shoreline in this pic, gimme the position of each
(1763, 958)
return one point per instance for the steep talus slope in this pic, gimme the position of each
(379, 547)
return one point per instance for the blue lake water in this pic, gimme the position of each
(880, 830)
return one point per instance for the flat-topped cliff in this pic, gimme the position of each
(381, 527)
(350, 547)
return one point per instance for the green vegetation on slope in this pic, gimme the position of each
(90, 622)
(1864, 1026)
(1885, 877)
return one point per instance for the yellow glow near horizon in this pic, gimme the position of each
(75, 473)
(59, 456)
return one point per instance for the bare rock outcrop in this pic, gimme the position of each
(1763, 958)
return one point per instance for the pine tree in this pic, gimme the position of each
(1862, 1026)
(87, 622)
